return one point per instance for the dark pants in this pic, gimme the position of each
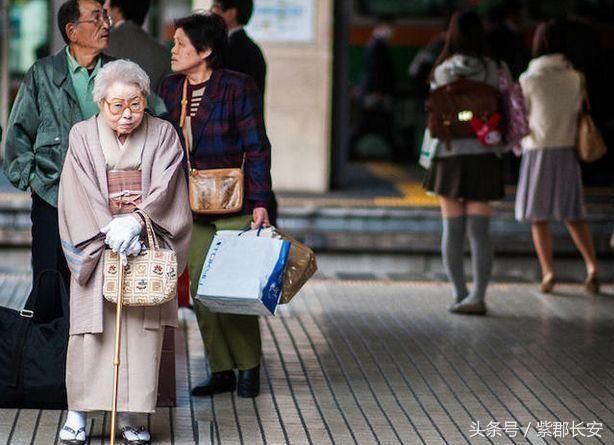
(47, 254)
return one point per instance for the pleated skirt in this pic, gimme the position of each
(550, 186)
(466, 177)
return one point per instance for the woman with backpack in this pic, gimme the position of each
(550, 182)
(465, 150)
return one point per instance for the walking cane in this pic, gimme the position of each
(118, 321)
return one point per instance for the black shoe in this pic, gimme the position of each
(217, 383)
(249, 383)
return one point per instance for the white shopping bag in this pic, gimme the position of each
(243, 274)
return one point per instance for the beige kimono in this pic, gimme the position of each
(85, 206)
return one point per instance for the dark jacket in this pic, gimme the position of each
(44, 111)
(228, 123)
(130, 41)
(378, 76)
(244, 56)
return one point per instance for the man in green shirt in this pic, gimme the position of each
(55, 94)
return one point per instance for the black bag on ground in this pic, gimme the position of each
(33, 355)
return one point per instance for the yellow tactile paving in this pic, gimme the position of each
(413, 193)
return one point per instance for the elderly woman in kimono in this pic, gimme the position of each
(120, 163)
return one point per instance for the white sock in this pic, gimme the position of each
(130, 420)
(75, 420)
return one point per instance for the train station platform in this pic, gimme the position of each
(382, 362)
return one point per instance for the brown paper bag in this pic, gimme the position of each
(300, 267)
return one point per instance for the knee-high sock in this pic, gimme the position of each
(478, 228)
(452, 250)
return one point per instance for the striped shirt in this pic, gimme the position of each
(195, 93)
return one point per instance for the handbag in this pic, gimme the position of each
(514, 110)
(33, 355)
(150, 278)
(590, 144)
(213, 191)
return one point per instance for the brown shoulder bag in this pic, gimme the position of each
(213, 191)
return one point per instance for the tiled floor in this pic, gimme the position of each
(384, 362)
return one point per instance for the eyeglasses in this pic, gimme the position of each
(118, 106)
(100, 16)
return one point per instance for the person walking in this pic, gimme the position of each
(120, 164)
(218, 114)
(56, 94)
(465, 174)
(550, 183)
(128, 39)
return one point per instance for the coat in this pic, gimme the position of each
(244, 55)
(227, 125)
(83, 209)
(130, 41)
(44, 111)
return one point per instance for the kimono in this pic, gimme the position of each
(91, 194)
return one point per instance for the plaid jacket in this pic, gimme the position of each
(228, 123)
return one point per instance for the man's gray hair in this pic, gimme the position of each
(122, 71)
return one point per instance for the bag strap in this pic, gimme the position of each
(152, 240)
(29, 308)
(183, 117)
(26, 326)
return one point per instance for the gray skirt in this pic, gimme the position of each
(550, 186)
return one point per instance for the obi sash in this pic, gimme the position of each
(125, 190)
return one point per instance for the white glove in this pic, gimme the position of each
(120, 232)
(135, 247)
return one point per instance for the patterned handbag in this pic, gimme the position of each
(150, 278)
(514, 110)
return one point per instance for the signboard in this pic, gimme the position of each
(283, 21)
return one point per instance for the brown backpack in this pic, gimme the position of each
(452, 106)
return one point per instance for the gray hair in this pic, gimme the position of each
(122, 71)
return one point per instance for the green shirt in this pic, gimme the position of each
(83, 83)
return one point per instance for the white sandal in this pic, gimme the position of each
(133, 436)
(78, 437)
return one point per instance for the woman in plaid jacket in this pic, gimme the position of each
(218, 114)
